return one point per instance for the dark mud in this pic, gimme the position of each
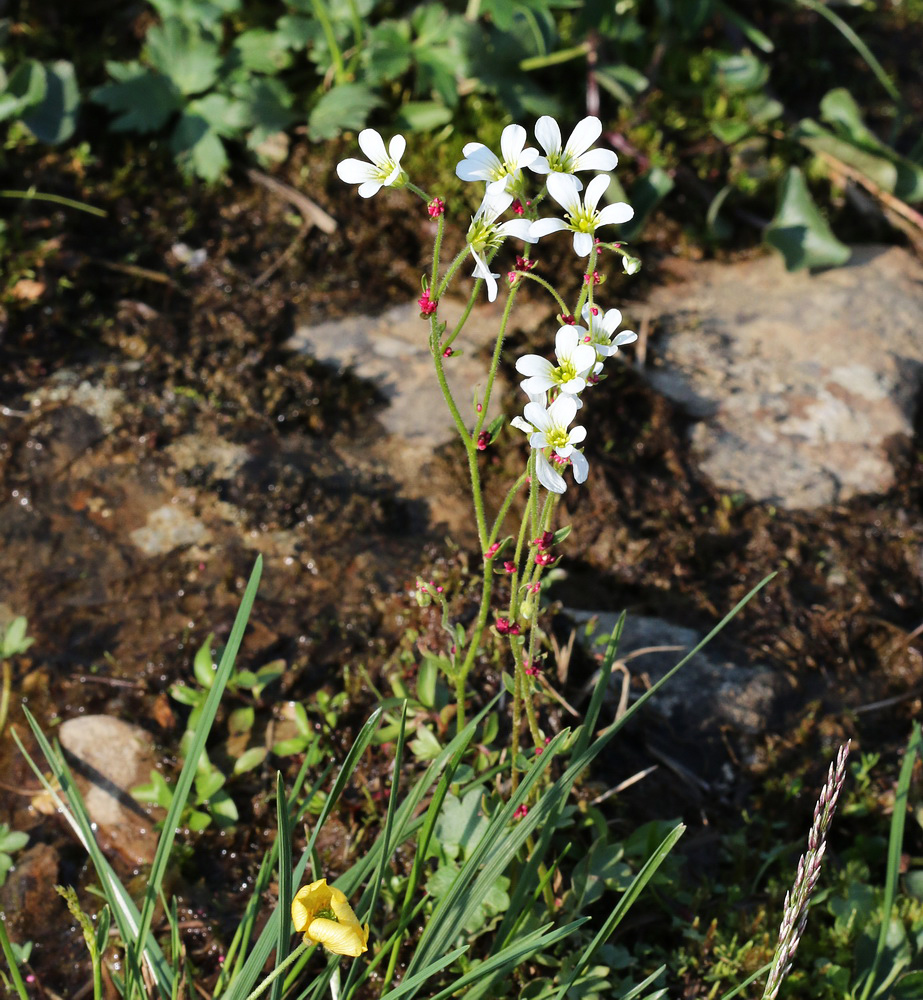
(193, 406)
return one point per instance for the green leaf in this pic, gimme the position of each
(185, 54)
(208, 784)
(819, 140)
(54, 118)
(24, 89)
(908, 988)
(389, 53)
(203, 666)
(143, 100)
(839, 109)
(426, 681)
(198, 147)
(622, 81)
(262, 51)
(14, 639)
(226, 117)
(207, 12)
(343, 108)
(12, 840)
(285, 748)
(241, 720)
(741, 72)
(249, 759)
(799, 232)
(296, 32)
(268, 103)
(425, 746)
(198, 821)
(222, 807)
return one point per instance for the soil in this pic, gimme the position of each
(198, 352)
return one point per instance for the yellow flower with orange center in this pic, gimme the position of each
(323, 913)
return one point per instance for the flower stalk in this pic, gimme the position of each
(797, 901)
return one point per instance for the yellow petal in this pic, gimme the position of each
(309, 900)
(341, 939)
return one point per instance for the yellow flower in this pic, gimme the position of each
(325, 916)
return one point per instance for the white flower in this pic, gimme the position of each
(551, 432)
(480, 164)
(484, 234)
(575, 362)
(383, 171)
(576, 154)
(582, 219)
(600, 329)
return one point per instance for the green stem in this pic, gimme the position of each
(495, 360)
(6, 683)
(11, 962)
(437, 247)
(587, 290)
(55, 199)
(532, 276)
(422, 194)
(450, 274)
(320, 12)
(505, 506)
(279, 969)
(480, 624)
(469, 305)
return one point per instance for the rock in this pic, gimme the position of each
(709, 692)
(167, 528)
(29, 903)
(109, 757)
(802, 383)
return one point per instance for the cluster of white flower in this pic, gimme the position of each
(553, 389)
(580, 352)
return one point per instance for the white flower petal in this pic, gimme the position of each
(625, 337)
(537, 385)
(581, 466)
(585, 133)
(563, 410)
(583, 357)
(396, 148)
(522, 425)
(563, 188)
(540, 165)
(601, 160)
(578, 434)
(583, 244)
(616, 213)
(565, 340)
(595, 190)
(520, 228)
(372, 144)
(482, 271)
(611, 320)
(369, 189)
(470, 147)
(354, 171)
(538, 416)
(538, 440)
(548, 133)
(547, 476)
(533, 364)
(544, 227)
(512, 141)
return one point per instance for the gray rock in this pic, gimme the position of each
(709, 692)
(109, 757)
(802, 383)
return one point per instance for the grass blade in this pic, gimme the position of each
(284, 840)
(623, 906)
(188, 773)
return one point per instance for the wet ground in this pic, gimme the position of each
(155, 436)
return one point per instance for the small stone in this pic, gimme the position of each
(802, 383)
(109, 758)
